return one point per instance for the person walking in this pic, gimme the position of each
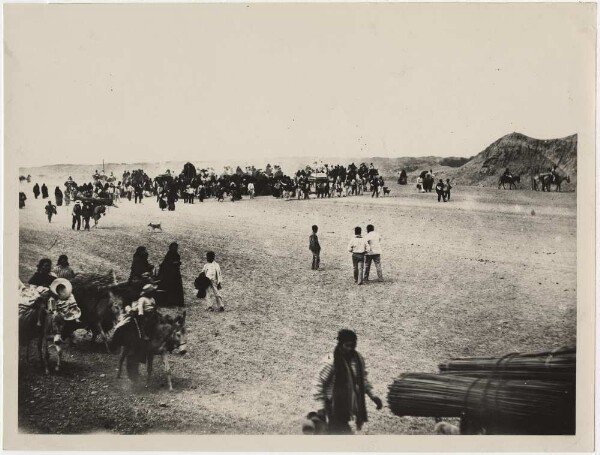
(447, 188)
(374, 255)
(358, 246)
(341, 386)
(87, 211)
(212, 271)
(169, 275)
(36, 190)
(50, 211)
(44, 191)
(141, 269)
(315, 247)
(439, 189)
(58, 195)
(76, 213)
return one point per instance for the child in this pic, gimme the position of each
(64, 304)
(212, 271)
(50, 211)
(315, 248)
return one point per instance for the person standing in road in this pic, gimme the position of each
(76, 213)
(315, 247)
(341, 386)
(50, 211)
(374, 255)
(358, 246)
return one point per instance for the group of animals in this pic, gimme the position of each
(102, 301)
(541, 181)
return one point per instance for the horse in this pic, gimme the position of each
(49, 328)
(167, 335)
(547, 180)
(512, 180)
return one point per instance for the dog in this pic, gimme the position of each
(386, 190)
(446, 428)
(154, 227)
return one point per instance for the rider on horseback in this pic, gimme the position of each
(553, 173)
(507, 173)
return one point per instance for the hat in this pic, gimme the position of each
(77, 202)
(147, 289)
(57, 282)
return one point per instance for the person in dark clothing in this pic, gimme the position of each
(448, 187)
(140, 267)
(58, 195)
(341, 386)
(139, 194)
(87, 212)
(76, 213)
(170, 278)
(50, 211)
(36, 190)
(315, 247)
(43, 276)
(22, 199)
(171, 200)
(44, 191)
(162, 204)
(439, 189)
(374, 187)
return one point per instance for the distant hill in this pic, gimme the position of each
(524, 156)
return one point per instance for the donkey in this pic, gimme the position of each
(167, 335)
(36, 323)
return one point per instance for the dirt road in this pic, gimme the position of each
(480, 275)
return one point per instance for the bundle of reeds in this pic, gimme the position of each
(513, 394)
(92, 280)
(513, 406)
(556, 365)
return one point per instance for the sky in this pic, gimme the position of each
(143, 83)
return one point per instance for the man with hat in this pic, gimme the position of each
(76, 215)
(341, 386)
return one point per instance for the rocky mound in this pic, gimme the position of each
(524, 156)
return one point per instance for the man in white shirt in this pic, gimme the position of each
(358, 246)
(374, 240)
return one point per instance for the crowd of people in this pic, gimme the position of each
(192, 185)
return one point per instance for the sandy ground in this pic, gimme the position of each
(480, 275)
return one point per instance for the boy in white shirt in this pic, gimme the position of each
(212, 270)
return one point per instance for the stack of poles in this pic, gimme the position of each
(514, 394)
